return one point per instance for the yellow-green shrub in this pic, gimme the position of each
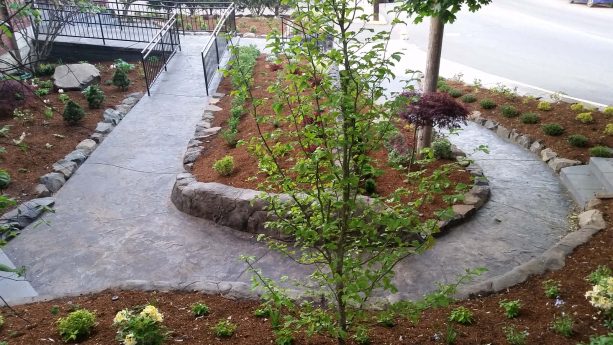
(544, 106)
(578, 107)
(585, 117)
(608, 111)
(608, 130)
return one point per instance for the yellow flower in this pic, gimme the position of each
(121, 316)
(152, 312)
(129, 340)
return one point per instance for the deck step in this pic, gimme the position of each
(602, 169)
(581, 183)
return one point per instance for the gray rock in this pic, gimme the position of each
(524, 141)
(491, 125)
(593, 204)
(219, 94)
(97, 137)
(514, 135)
(204, 133)
(249, 35)
(53, 181)
(214, 100)
(473, 199)
(503, 132)
(537, 147)
(463, 211)
(65, 167)
(548, 154)
(41, 191)
(208, 116)
(111, 116)
(191, 155)
(28, 212)
(104, 128)
(591, 219)
(77, 156)
(137, 95)
(123, 109)
(212, 107)
(559, 163)
(474, 115)
(75, 76)
(87, 146)
(130, 102)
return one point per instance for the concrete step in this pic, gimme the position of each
(602, 169)
(581, 183)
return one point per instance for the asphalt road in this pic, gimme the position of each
(550, 44)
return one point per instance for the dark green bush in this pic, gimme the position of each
(370, 186)
(578, 140)
(469, 98)
(455, 93)
(94, 96)
(442, 149)
(553, 129)
(601, 151)
(509, 111)
(530, 118)
(5, 179)
(73, 113)
(121, 80)
(45, 69)
(487, 104)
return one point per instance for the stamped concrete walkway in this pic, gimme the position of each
(114, 221)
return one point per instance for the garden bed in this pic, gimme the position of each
(247, 175)
(257, 25)
(560, 113)
(48, 140)
(536, 313)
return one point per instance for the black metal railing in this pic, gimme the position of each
(159, 51)
(217, 45)
(290, 29)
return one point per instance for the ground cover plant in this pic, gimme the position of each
(544, 120)
(34, 134)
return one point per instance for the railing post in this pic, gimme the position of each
(163, 51)
(101, 29)
(182, 22)
(206, 79)
(142, 59)
(216, 51)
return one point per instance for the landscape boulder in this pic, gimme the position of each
(75, 76)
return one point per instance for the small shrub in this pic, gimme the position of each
(585, 118)
(468, 98)
(608, 130)
(451, 335)
(123, 66)
(563, 325)
(487, 104)
(601, 272)
(577, 107)
(264, 311)
(1, 321)
(544, 106)
(45, 69)
(462, 315)
(230, 137)
(361, 336)
(236, 112)
(511, 308)
(578, 140)
(386, 319)
(40, 92)
(64, 98)
(224, 166)
(73, 113)
(601, 151)
(142, 326)
(5, 179)
(23, 116)
(553, 129)
(121, 80)
(530, 118)
(94, 96)
(601, 340)
(442, 86)
(370, 186)
(433, 109)
(513, 336)
(54, 310)
(442, 149)
(551, 288)
(455, 93)
(200, 309)
(77, 326)
(509, 111)
(608, 111)
(45, 84)
(224, 329)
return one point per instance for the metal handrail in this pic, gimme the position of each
(154, 67)
(218, 27)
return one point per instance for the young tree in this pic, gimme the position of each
(440, 12)
(328, 107)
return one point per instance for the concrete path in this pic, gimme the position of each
(114, 221)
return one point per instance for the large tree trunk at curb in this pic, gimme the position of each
(435, 47)
(375, 16)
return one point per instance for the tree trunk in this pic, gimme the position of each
(375, 11)
(435, 47)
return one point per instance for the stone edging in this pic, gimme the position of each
(590, 223)
(242, 210)
(27, 212)
(547, 155)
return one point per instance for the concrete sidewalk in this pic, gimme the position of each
(114, 221)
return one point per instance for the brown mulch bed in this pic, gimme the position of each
(560, 114)
(535, 317)
(247, 174)
(258, 25)
(26, 167)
